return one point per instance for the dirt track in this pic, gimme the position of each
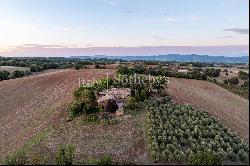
(231, 109)
(28, 105)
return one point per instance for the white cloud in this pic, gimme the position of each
(238, 30)
(111, 2)
(194, 17)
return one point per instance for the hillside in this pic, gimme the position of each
(227, 107)
(31, 104)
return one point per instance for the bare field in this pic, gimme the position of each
(227, 107)
(31, 104)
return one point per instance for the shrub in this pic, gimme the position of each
(19, 158)
(232, 81)
(108, 118)
(64, 155)
(103, 160)
(131, 103)
(86, 94)
(4, 75)
(243, 75)
(18, 74)
(92, 119)
(204, 158)
(243, 156)
(75, 109)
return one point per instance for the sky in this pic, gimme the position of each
(37, 27)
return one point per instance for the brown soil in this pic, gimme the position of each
(29, 105)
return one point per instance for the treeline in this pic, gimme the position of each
(5, 75)
(37, 64)
(233, 84)
(196, 73)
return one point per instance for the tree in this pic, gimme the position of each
(232, 81)
(159, 83)
(4, 75)
(111, 106)
(131, 103)
(18, 74)
(86, 95)
(205, 158)
(243, 75)
(212, 72)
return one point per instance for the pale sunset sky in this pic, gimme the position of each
(121, 27)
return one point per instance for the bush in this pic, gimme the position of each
(131, 103)
(108, 118)
(64, 155)
(212, 72)
(18, 74)
(243, 75)
(232, 81)
(75, 109)
(4, 75)
(20, 158)
(103, 160)
(92, 119)
(204, 158)
(86, 94)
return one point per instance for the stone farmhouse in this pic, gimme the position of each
(117, 94)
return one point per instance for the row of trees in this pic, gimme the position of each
(159, 71)
(37, 64)
(5, 75)
(180, 133)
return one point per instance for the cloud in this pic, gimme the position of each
(194, 17)
(238, 30)
(226, 37)
(126, 10)
(158, 37)
(111, 2)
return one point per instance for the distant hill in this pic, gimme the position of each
(177, 58)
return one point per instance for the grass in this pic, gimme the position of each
(19, 157)
(103, 160)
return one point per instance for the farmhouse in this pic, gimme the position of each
(117, 94)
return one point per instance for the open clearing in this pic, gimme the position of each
(227, 107)
(31, 104)
(13, 68)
